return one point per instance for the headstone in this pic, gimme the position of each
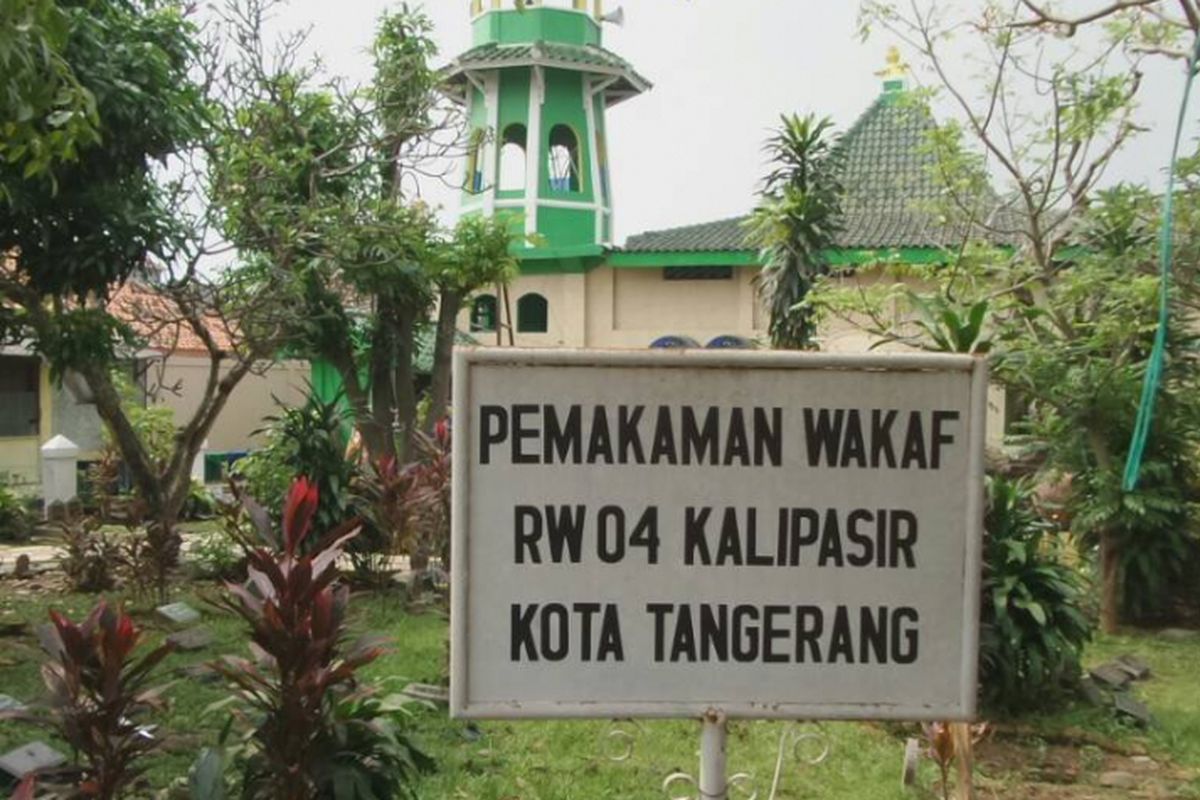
(1178, 634)
(1126, 706)
(179, 613)
(199, 672)
(1138, 670)
(9, 703)
(1093, 693)
(24, 567)
(1111, 675)
(29, 758)
(192, 639)
(427, 692)
(47, 636)
(1119, 780)
(17, 628)
(60, 478)
(912, 761)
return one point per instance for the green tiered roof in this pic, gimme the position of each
(889, 188)
(587, 58)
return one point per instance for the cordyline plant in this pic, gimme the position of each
(410, 504)
(316, 732)
(98, 690)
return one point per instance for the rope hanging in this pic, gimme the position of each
(1154, 368)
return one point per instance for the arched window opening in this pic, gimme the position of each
(483, 314)
(512, 159)
(730, 342)
(564, 160)
(533, 314)
(674, 342)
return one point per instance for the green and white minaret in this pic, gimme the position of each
(536, 87)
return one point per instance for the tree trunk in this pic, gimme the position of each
(1110, 582)
(1110, 555)
(443, 349)
(403, 383)
(383, 399)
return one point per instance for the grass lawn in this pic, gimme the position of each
(581, 760)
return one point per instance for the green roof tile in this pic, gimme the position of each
(889, 188)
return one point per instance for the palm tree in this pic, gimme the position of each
(798, 218)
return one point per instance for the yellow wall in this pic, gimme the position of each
(250, 402)
(631, 307)
(20, 456)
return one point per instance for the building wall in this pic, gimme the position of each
(251, 401)
(632, 307)
(20, 456)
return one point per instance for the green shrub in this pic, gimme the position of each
(217, 554)
(266, 473)
(200, 503)
(16, 520)
(1033, 626)
(316, 730)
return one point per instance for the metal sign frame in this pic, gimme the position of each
(461, 704)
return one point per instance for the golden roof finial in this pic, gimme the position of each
(896, 66)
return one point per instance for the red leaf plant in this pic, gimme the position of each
(301, 666)
(99, 688)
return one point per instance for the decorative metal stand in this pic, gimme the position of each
(713, 783)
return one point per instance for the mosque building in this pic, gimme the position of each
(537, 87)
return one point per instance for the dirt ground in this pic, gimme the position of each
(1072, 772)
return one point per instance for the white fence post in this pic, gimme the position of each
(198, 464)
(60, 481)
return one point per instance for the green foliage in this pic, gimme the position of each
(90, 554)
(46, 114)
(98, 694)
(315, 732)
(945, 326)
(100, 215)
(16, 520)
(405, 83)
(200, 502)
(1033, 626)
(798, 217)
(477, 254)
(154, 424)
(313, 445)
(266, 473)
(1080, 354)
(216, 553)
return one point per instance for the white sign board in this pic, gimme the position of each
(778, 535)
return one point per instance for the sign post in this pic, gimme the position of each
(716, 535)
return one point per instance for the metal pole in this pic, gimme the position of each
(712, 757)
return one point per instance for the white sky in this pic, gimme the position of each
(690, 150)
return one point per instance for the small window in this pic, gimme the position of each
(564, 160)
(483, 314)
(512, 159)
(19, 396)
(698, 273)
(533, 314)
